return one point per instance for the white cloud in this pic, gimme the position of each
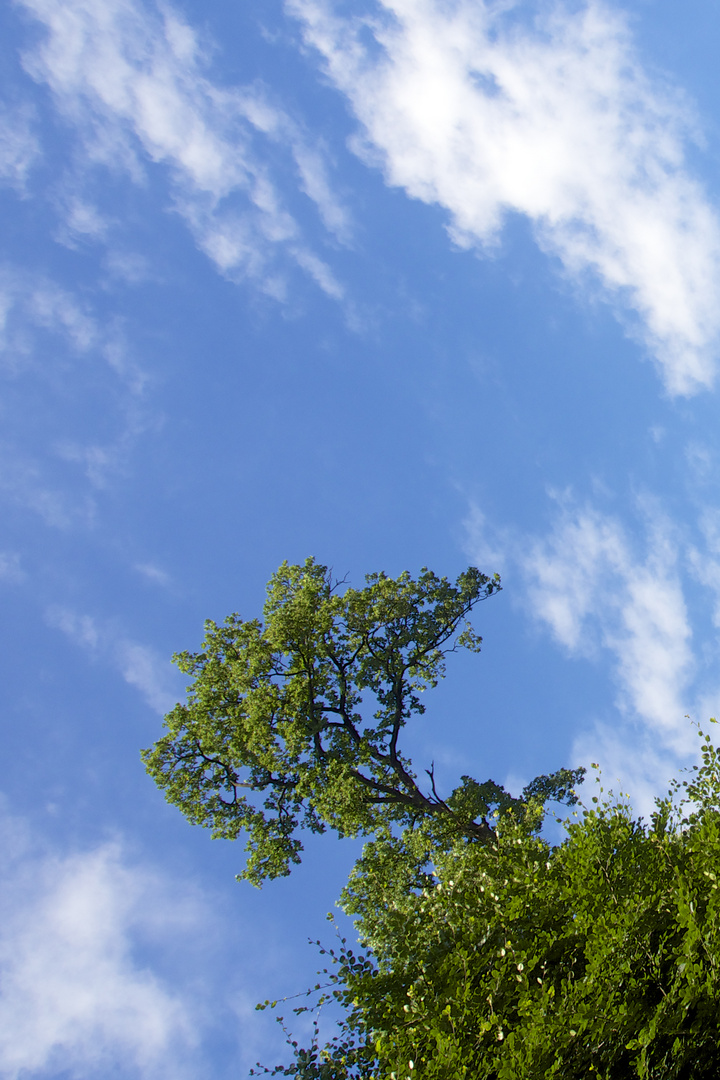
(88, 958)
(49, 340)
(82, 629)
(142, 668)
(55, 309)
(619, 596)
(19, 147)
(153, 573)
(128, 266)
(140, 665)
(10, 568)
(24, 481)
(100, 461)
(704, 561)
(632, 762)
(565, 569)
(587, 583)
(112, 967)
(81, 220)
(463, 105)
(72, 994)
(31, 304)
(133, 81)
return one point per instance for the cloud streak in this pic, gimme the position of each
(112, 967)
(19, 147)
(50, 341)
(591, 588)
(139, 665)
(133, 82)
(628, 598)
(464, 106)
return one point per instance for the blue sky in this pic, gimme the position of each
(392, 284)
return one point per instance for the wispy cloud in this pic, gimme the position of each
(73, 994)
(589, 585)
(133, 80)
(466, 106)
(140, 665)
(142, 668)
(11, 569)
(704, 561)
(51, 340)
(624, 595)
(153, 573)
(27, 482)
(19, 146)
(32, 304)
(108, 966)
(112, 967)
(80, 219)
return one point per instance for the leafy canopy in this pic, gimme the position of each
(295, 722)
(595, 958)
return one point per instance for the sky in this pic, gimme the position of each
(393, 284)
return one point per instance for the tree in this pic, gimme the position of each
(489, 952)
(296, 723)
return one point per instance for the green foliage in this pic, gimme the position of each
(295, 723)
(599, 957)
(488, 953)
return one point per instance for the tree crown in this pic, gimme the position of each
(295, 722)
